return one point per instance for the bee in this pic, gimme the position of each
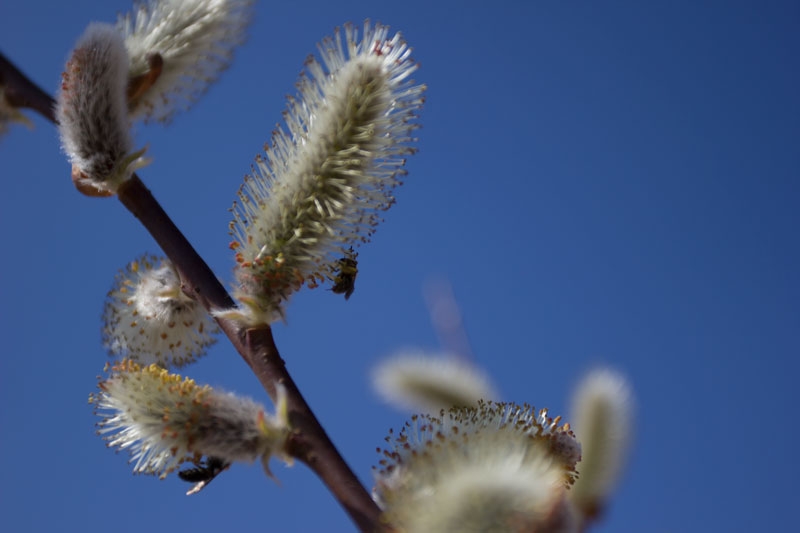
(346, 271)
(203, 474)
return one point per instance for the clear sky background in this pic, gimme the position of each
(610, 183)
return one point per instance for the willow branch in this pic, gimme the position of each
(22, 92)
(308, 442)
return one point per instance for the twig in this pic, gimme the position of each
(446, 318)
(21, 92)
(308, 442)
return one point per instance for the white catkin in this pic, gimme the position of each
(324, 183)
(602, 415)
(419, 381)
(497, 467)
(164, 420)
(195, 39)
(91, 108)
(149, 319)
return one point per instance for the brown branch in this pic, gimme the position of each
(308, 442)
(21, 92)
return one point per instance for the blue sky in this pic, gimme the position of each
(602, 183)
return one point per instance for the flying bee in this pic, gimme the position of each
(346, 271)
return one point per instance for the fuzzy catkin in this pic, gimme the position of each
(164, 420)
(148, 318)
(324, 183)
(494, 467)
(194, 38)
(603, 414)
(416, 380)
(92, 111)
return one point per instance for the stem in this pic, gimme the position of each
(308, 442)
(22, 92)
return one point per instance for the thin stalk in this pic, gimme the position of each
(22, 92)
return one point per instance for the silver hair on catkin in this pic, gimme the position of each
(323, 185)
(148, 318)
(494, 467)
(92, 114)
(413, 379)
(164, 420)
(186, 44)
(603, 415)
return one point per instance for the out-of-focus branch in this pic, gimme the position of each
(21, 92)
(308, 443)
(446, 318)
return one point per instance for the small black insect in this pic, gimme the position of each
(204, 473)
(346, 272)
